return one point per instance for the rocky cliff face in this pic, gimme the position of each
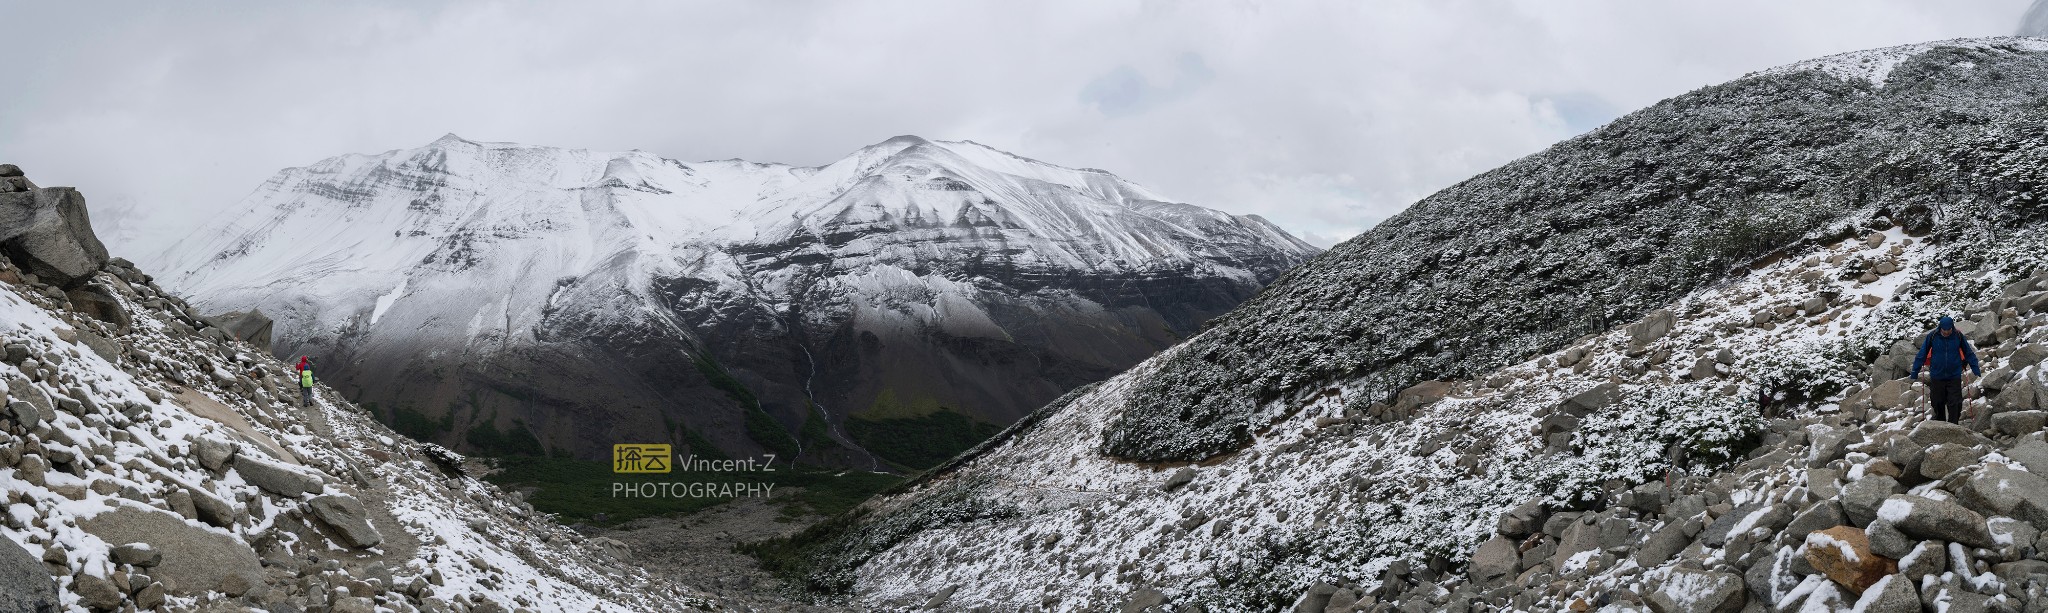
(150, 461)
(1651, 367)
(575, 299)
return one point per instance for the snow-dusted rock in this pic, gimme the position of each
(47, 233)
(1843, 554)
(275, 477)
(2016, 423)
(1926, 558)
(346, 516)
(25, 584)
(1891, 594)
(1927, 518)
(1998, 490)
(194, 558)
(136, 554)
(1687, 591)
(1653, 326)
(1495, 561)
(1943, 458)
(1861, 498)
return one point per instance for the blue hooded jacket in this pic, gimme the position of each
(1944, 356)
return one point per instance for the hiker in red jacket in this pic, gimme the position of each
(305, 369)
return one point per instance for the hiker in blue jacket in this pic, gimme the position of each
(1944, 352)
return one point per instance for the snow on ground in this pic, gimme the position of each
(118, 440)
(1337, 494)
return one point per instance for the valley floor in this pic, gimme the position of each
(698, 549)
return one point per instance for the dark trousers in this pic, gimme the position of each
(1946, 398)
(306, 397)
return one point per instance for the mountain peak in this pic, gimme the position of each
(449, 139)
(905, 140)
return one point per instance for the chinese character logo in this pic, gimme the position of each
(640, 458)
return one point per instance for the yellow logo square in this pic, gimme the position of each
(640, 458)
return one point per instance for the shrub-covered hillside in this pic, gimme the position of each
(1602, 228)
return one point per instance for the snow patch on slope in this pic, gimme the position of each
(1874, 65)
(384, 302)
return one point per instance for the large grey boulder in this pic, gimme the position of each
(346, 516)
(1579, 537)
(194, 558)
(1829, 444)
(1933, 432)
(1821, 516)
(25, 584)
(1905, 454)
(1771, 579)
(1702, 369)
(1862, 497)
(1696, 591)
(1998, 490)
(1496, 561)
(1888, 541)
(2022, 392)
(276, 478)
(2027, 355)
(1926, 558)
(251, 327)
(98, 302)
(23, 413)
(1523, 520)
(1662, 544)
(1743, 519)
(96, 593)
(47, 233)
(1889, 394)
(213, 453)
(1945, 458)
(211, 510)
(1653, 326)
(1927, 518)
(1895, 362)
(1586, 402)
(2017, 423)
(1892, 594)
(2031, 454)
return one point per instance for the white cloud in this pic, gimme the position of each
(1323, 116)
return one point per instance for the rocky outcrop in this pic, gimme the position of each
(251, 327)
(25, 584)
(47, 233)
(346, 516)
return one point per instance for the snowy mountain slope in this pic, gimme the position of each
(125, 424)
(1270, 454)
(567, 292)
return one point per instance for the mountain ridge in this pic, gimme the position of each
(941, 273)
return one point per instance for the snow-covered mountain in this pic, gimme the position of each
(1474, 405)
(589, 298)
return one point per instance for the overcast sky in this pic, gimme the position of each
(1324, 117)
